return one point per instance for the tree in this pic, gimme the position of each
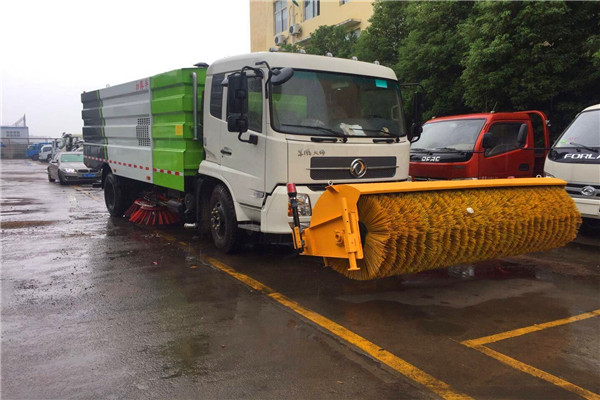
(331, 39)
(387, 29)
(431, 54)
(525, 55)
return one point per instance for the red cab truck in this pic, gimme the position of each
(481, 146)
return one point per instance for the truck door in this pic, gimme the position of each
(541, 140)
(243, 164)
(507, 157)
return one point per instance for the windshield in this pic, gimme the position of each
(76, 157)
(583, 131)
(46, 148)
(453, 134)
(332, 104)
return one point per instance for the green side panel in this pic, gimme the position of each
(174, 148)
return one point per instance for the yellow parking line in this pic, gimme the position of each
(88, 194)
(384, 356)
(533, 328)
(479, 345)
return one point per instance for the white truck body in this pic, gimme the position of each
(257, 178)
(575, 158)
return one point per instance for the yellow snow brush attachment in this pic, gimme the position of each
(375, 230)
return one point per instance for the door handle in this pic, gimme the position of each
(226, 151)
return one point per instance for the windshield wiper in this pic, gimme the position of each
(385, 132)
(418, 149)
(321, 128)
(582, 146)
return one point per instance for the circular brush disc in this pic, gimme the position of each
(375, 234)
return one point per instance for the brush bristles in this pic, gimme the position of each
(414, 232)
(145, 212)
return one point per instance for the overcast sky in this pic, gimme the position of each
(52, 51)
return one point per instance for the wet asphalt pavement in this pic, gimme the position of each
(94, 307)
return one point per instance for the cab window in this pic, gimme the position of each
(216, 96)
(506, 134)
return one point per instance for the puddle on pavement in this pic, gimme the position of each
(185, 356)
(24, 224)
(16, 201)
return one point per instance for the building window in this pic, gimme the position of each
(280, 8)
(342, 2)
(312, 8)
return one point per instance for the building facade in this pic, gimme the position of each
(277, 22)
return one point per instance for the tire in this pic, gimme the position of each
(223, 222)
(115, 197)
(590, 227)
(50, 178)
(35, 157)
(61, 178)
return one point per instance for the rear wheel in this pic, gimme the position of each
(223, 222)
(115, 197)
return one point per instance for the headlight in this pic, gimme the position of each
(69, 170)
(304, 208)
(465, 179)
(548, 175)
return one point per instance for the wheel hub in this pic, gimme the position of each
(217, 219)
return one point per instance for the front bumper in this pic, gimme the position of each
(588, 208)
(274, 215)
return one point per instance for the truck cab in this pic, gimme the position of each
(575, 158)
(333, 121)
(481, 146)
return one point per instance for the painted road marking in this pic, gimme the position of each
(396, 363)
(479, 345)
(85, 192)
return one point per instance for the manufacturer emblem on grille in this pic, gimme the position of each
(588, 191)
(358, 168)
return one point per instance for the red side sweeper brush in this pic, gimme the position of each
(148, 211)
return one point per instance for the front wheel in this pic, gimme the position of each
(61, 178)
(50, 178)
(114, 196)
(223, 222)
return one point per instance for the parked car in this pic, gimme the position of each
(68, 167)
(45, 153)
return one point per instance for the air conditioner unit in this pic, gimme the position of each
(295, 29)
(279, 40)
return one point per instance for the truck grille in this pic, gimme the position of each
(578, 190)
(336, 168)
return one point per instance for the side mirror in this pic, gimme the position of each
(489, 141)
(414, 133)
(522, 137)
(237, 102)
(281, 76)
